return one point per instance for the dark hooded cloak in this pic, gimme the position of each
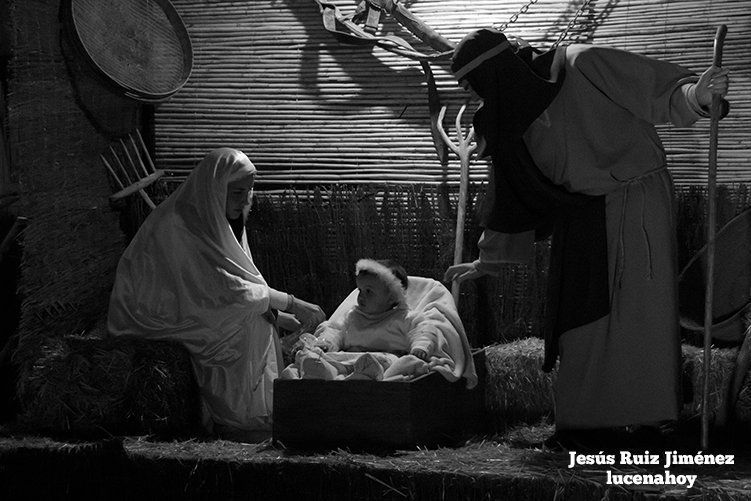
(516, 87)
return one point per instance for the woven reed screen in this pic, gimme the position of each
(308, 109)
(72, 242)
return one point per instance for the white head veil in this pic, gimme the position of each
(185, 278)
(184, 268)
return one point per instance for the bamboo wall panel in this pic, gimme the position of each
(268, 79)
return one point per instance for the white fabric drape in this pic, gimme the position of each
(185, 277)
(432, 309)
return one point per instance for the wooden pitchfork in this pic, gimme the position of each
(464, 148)
(127, 167)
(715, 113)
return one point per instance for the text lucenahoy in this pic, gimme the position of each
(667, 460)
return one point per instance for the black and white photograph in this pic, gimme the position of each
(375, 249)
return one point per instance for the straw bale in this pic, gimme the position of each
(742, 407)
(722, 367)
(93, 386)
(517, 390)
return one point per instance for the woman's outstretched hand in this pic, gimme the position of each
(463, 271)
(287, 321)
(308, 313)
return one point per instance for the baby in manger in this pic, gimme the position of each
(392, 327)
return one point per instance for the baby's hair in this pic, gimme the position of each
(398, 270)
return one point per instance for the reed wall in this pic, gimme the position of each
(270, 80)
(59, 119)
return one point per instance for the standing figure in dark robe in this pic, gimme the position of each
(575, 154)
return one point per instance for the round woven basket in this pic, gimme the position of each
(139, 46)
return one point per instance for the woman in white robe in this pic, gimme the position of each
(188, 276)
(589, 131)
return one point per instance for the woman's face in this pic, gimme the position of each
(374, 296)
(239, 194)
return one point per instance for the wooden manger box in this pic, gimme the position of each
(427, 411)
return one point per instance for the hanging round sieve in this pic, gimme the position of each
(139, 46)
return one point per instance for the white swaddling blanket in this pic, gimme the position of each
(434, 307)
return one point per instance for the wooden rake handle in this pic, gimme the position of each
(134, 175)
(464, 148)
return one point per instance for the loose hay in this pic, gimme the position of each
(94, 386)
(479, 470)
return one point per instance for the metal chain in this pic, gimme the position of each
(571, 23)
(512, 19)
(525, 8)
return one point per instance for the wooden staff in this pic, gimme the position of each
(711, 225)
(464, 148)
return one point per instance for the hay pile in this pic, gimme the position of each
(517, 391)
(92, 387)
(217, 469)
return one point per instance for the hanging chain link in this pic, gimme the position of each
(571, 23)
(525, 8)
(512, 19)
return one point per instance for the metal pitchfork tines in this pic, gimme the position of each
(128, 169)
(464, 148)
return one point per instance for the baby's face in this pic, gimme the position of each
(374, 295)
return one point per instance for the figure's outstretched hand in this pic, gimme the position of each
(324, 344)
(287, 321)
(308, 313)
(714, 80)
(463, 271)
